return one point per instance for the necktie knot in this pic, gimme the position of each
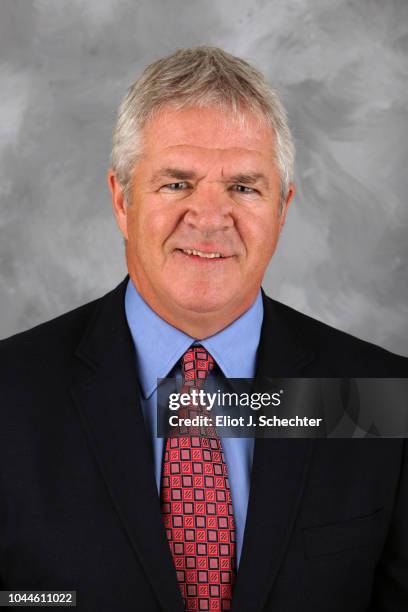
(196, 364)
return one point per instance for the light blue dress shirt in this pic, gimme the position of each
(159, 348)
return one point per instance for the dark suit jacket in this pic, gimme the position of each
(327, 524)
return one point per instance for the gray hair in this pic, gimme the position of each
(199, 76)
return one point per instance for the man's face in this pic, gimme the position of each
(203, 217)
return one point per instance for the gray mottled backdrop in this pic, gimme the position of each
(341, 67)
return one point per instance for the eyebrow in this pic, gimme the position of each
(249, 179)
(174, 173)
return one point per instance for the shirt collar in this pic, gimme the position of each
(159, 345)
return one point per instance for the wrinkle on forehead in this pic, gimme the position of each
(188, 155)
(247, 167)
(211, 149)
(207, 128)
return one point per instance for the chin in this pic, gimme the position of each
(202, 301)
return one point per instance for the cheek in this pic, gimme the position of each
(259, 234)
(149, 224)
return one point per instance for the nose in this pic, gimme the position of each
(209, 209)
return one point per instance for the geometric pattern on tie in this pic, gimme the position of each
(196, 505)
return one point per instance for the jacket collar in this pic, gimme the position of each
(283, 350)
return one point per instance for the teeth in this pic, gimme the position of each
(201, 253)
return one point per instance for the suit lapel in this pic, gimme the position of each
(279, 472)
(106, 394)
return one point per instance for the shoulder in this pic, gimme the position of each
(50, 348)
(45, 346)
(337, 351)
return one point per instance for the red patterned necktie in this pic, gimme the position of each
(196, 502)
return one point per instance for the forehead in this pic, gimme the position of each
(207, 135)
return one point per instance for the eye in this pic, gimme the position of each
(244, 189)
(179, 186)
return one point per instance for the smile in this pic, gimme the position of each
(201, 253)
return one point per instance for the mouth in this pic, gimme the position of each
(196, 254)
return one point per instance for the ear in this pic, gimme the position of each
(118, 202)
(291, 193)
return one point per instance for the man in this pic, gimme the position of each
(201, 181)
